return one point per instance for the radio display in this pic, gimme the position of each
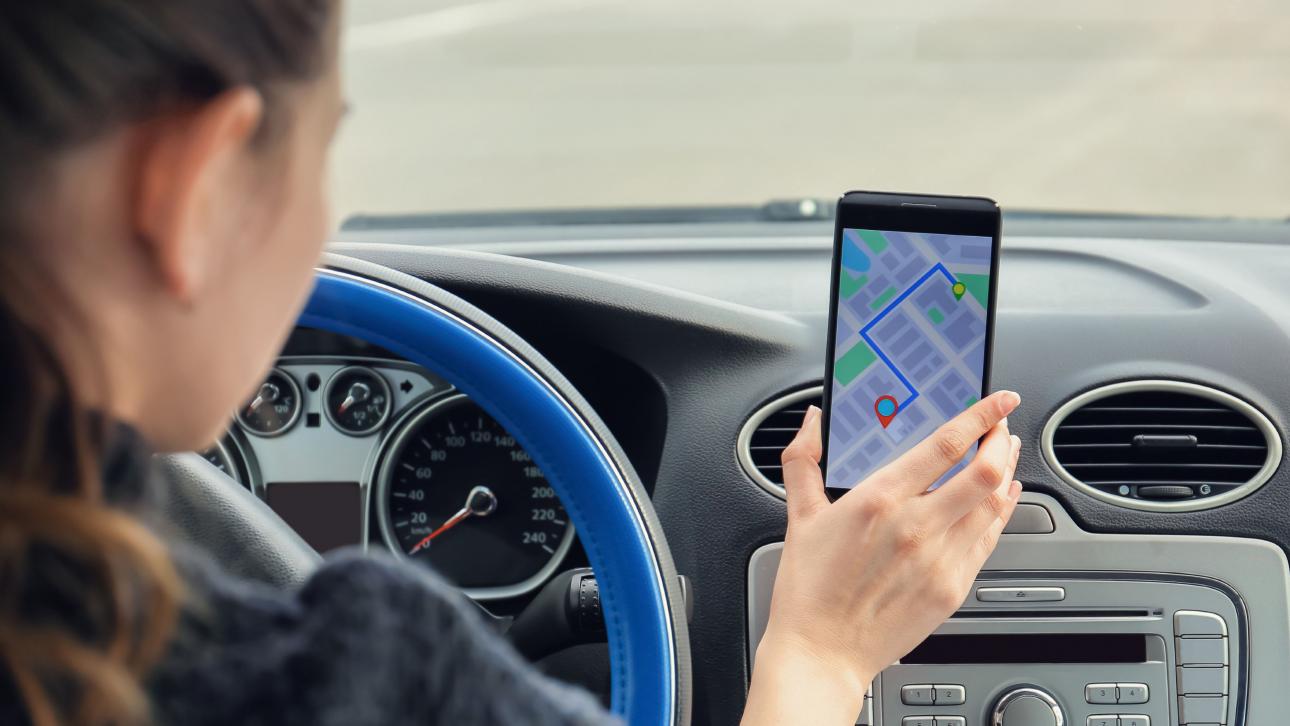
(1030, 648)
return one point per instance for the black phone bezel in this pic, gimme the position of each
(898, 212)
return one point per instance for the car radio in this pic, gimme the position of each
(1066, 649)
(1111, 649)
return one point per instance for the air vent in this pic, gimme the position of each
(1162, 445)
(768, 431)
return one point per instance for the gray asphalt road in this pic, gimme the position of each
(1160, 106)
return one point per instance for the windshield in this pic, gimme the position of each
(1150, 106)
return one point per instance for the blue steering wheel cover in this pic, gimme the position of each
(642, 651)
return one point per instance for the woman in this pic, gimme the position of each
(163, 174)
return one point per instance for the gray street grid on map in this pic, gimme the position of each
(908, 346)
(962, 250)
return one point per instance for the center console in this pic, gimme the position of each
(1070, 628)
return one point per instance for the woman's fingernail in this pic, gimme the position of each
(1015, 490)
(1004, 421)
(811, 413)
(1012, 399)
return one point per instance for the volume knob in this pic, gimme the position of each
(1027, 707)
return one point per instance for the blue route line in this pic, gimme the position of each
(864, 332)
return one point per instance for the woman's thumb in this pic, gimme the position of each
(803, 482)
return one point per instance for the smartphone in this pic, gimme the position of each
(911, 325)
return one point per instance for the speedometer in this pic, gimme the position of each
(457, 492)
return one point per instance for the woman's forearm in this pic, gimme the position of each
(792, 685)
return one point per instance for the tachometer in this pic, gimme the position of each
(457, 491)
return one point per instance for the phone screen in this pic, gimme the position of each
(910, 342)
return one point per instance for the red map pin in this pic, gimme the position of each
(886, 408)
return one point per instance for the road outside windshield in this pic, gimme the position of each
(1149, 106)
(909, 351)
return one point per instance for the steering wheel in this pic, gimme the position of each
(640, 592)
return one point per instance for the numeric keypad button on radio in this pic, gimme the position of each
(947, 695)
(1099, 693)
(918, 695)
(1132, 692)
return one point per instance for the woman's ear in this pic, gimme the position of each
(191, 171)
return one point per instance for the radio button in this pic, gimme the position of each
(950, 721)
(1027, 706)
(1030, 519)
(1132, 693)
(1202, 709)
(950, 695)
(1193, 623)
(1020, 594)
(918, 721)
(1202, 651)
(1134, 720)
(1103, 719)
(1099, 693)
(917, 695)
(1202, 680)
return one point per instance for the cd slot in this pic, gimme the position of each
(1014, 613)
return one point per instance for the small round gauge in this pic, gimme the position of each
(274, 408)
(220, 457)
(458, 492)
(358, 400)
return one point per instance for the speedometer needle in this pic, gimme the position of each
(453, 521)
(480, 502)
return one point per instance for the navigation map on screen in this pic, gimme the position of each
(909, 351)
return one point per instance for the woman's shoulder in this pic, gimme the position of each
(367, 639)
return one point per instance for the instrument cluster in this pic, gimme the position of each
(378, 452)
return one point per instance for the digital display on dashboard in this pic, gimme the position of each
(1031, 648)
(910, 347)
(327, 515)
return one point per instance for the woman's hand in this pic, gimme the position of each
(865, 579)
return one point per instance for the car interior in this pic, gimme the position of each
(584, 405)
(1111, 572)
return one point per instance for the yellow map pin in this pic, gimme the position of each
(958, 289)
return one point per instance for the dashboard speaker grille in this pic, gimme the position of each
(768, 431)
(1162, 445)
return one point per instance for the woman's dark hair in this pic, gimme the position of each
(88, 596)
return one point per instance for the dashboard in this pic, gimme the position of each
(354, 447)
(697, 343)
